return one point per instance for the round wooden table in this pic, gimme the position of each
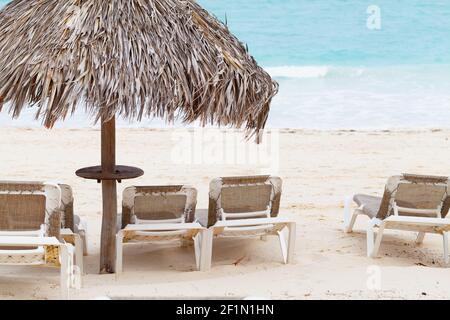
(120, 173)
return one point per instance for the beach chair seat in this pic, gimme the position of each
(370, 205)
(157, 214)
(414, 203)
(30, 230)
(248, 207)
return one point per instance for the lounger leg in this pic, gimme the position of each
(370, 239)
(373, 243)
(446, 252)
(75, 275)
(420, 238)
(352, 222)
(119, 252)
(197, 248)
(206, 249)
(65, 272)
(291, 245)
(283, 246)
(378, 239)
(79, 254)
(82, 231)
(349, 219)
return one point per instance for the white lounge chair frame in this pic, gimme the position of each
(254, 228)
(422, 225)
(151, 231)
(70, 274)
(256, 224)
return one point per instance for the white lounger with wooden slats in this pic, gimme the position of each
(30, 215)
(410, 203)
(248, 207)
(159, 214)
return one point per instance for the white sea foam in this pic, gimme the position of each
(357, 97)
(331, 97)
(299, 72)
(309, 72)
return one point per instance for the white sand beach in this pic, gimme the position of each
(318, 168)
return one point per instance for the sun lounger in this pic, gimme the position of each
(160, 214)
(248, 207)
(410, 203)
(30, 229)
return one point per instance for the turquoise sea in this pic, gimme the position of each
(344, 63)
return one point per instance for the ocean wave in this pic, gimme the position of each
(298, 71)
(437, 72)
(304, 72)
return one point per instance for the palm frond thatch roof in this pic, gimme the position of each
(133, 58)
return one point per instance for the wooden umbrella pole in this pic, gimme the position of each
(108, 174)
(109, 194)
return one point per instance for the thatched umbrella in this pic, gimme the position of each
(128, 58)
